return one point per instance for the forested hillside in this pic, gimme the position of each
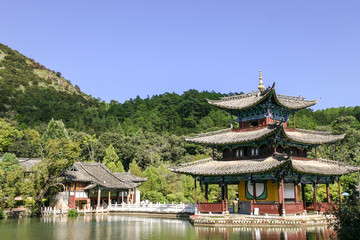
(44, 115)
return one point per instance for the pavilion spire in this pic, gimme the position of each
(261, 86)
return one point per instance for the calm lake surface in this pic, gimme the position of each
(133, 227)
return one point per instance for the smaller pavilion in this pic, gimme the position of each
(90, 184)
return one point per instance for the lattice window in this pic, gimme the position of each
(239, 152)
(254, 151)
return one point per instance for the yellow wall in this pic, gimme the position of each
(272, 191)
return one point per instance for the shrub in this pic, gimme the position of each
(72, 213)
(347, 226)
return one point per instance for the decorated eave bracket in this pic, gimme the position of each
(286, 172)
(261, 111)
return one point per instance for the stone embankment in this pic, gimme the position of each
(262, 220)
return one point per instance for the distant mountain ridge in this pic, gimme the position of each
(33, 93)
(11, 58)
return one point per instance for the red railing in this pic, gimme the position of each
(266, 208)
(294, 208)
(322, 207)
(211, 207)
(276, 208)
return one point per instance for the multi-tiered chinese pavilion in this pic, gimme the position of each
(266, 159)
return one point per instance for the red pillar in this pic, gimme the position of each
(339, 184)
(279, 192)
(296, 193)
(282, 191)
(254, 192)
(282, 194)
(195, 193)
(328, 193)
(109, 197)
(222, 197)
(315, 201)
(226, 198)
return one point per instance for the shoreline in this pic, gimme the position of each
(222, 220)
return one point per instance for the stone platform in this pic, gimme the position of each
(261, 220)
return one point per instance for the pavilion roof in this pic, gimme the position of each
(211, 167)
(322, 166)
(98, 175)
(129, 177)
(228, 136)
(247, 100)
(27, 163)
(312, 137)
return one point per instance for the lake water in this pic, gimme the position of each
(134, 228)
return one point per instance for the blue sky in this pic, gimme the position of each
(120, 49)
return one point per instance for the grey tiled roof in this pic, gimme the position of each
(242, 101)
(210, 167)
(227, 136)
(322, 166)
(247, 100)
(313, 137)
(27, 163)
(98, 174)
(292, 103)
(129, 177)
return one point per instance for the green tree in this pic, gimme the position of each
(29, 145)
(55, 130)
(46, 179)
(111, 160)
(135, 169)
(10, 162)
(10, 180)
(8, 134)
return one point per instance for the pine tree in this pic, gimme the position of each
(111, 160)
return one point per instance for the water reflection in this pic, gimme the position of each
(133, 227)
(264, 233)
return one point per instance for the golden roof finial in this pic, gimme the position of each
(261, 86)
